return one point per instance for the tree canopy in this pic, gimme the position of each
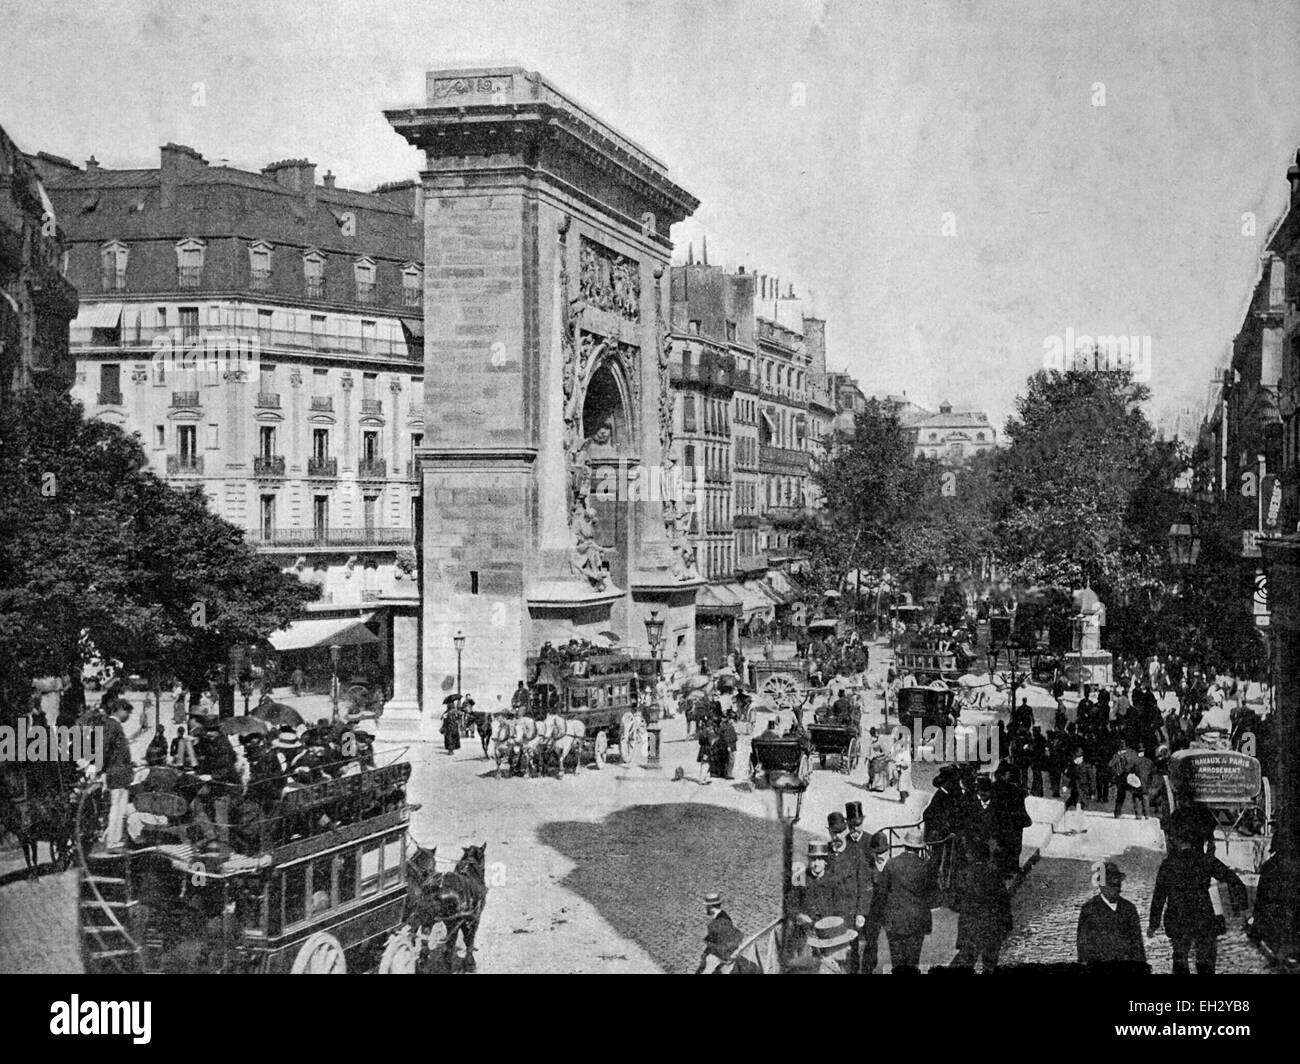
(102, 556)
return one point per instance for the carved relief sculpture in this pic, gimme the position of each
(610, 281)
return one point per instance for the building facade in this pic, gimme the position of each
(262, 333)
(951, 436)
(36, 300)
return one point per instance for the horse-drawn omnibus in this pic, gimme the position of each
(321, 890)
(927, 659)
(598, 690)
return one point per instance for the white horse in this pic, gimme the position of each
(507, 734)
(563, 734)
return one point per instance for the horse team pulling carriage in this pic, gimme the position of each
(326, 886)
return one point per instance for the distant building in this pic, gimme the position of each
(36, 301)
(951, 436)
(263, 334)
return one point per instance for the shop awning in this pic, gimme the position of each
(716, 600)
(324, 632)
(414, 327)
(98, 316)
(753, 600)
(781, 598)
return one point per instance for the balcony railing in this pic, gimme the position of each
(110, 398)
(783, 513)
(185, 399)
(365, 291)
(412, 297)
(315, 288)
(322, 467)
(374, 469)
(179, 464)
(713, 373)
(260, 280)
(372, 406)
(783, 457)
(188, 276)
(268, 400)
(215, 341)
(332, 537)
(323, 402)
(268, 465)
(112, 280)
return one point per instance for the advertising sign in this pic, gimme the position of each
(1216, 776)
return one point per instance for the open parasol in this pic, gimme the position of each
(246, 725)
(278, 714)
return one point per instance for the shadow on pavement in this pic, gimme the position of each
(646, 870)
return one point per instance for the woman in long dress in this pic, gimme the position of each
(451, 728)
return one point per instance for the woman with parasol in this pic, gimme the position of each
(450, 728)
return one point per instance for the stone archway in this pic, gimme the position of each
(606, 405)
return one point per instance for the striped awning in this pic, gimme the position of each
(105, 315)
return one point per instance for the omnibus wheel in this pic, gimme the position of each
(321, 954)
(399, 954)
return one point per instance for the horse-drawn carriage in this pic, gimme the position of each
(39, 802)
(781, 683)
(770, 757)
(600, 696)
(927, 659)
(320, 887)
(933, 705)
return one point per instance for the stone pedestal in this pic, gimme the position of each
(546, 241)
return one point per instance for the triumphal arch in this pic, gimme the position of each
(551, 508)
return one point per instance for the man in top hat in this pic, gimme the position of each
(832, 944)
(1110, 931)
(905, 894)
(822, 892)
(855, 865)
(944, 815)
(877, 858)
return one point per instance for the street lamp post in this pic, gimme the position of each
(654, 633)
(788, 789)
(246, 689)
(335, 651)
(459, 640)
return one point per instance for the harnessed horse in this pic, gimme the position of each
(510, 740)
(559, 736)
(454, 899)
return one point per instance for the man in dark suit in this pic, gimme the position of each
(905, 893)
(877, 860)
(1010, 818)
(118, 771)
(852, 863)
(1110, 931)
(1182, 897)
(822, 893)
(945, 813)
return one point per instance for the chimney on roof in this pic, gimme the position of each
(328, 179)
(690, 254)
(296, 174)
(92, 163)
(791, 296)
(706, 250)
(741, 270)
(178, 161)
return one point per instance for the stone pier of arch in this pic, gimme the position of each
(549, 509)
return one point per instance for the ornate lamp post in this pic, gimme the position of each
(335, 651)
(1184, 544)
(788, 789)
(654, 634)
(459, 640)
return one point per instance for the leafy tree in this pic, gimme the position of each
(100, 553)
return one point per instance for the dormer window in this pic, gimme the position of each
(189, 263)
(113, 257)
(363, 270)
(412, 285)
(259, 266)
(313, 270)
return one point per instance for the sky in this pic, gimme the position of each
(952, 184)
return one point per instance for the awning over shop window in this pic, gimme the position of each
(414, 328)
(324, 632)
(754, 601)
(98, 316)
(716, 600)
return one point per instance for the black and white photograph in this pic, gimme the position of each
(521, 487)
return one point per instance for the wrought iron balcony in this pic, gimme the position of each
(322, 467)
(188, 276)
(268, 400)
(783, 458)
(185, 398)
(268, 465)
(365, 291)
(374, 469)
(332, 537)
(322, 402)
(260, 280)
(110, 398)
(372, 406)
(112, 280)
(412, 297)
(316, 288)
(181, 464)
